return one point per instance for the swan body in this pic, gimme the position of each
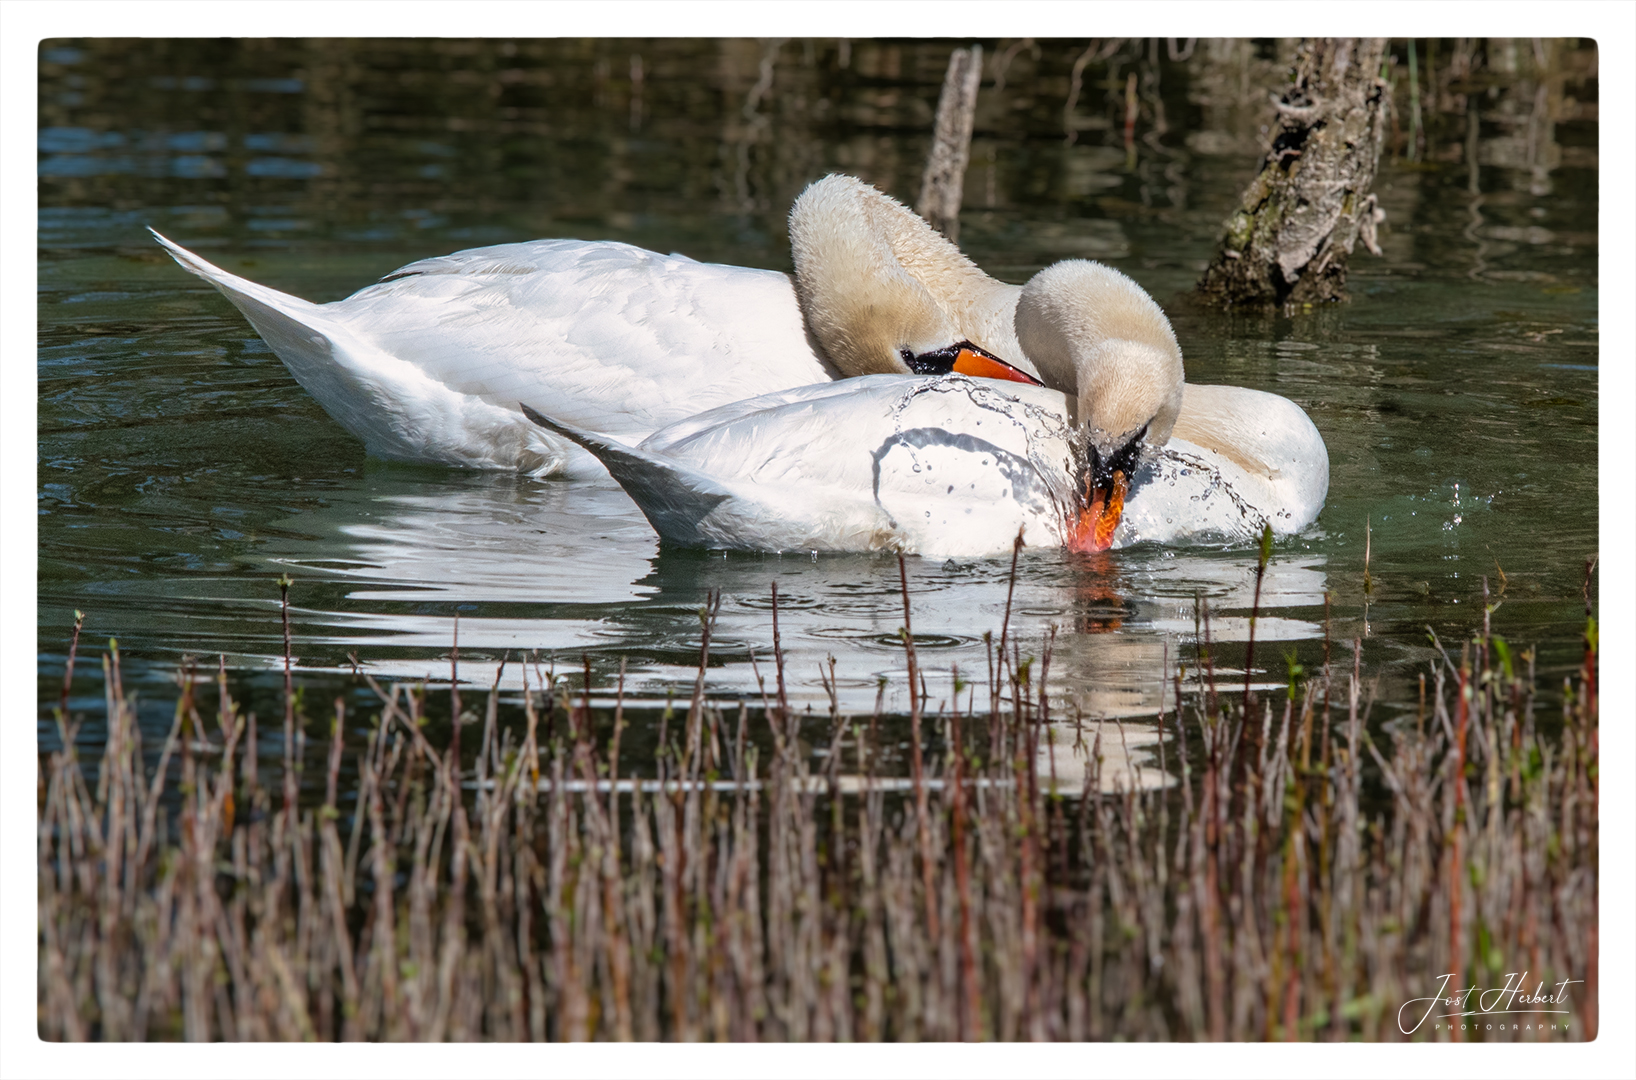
(612, 345)
(943, 467)
(428, 364)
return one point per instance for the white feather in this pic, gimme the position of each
(429, 364)
(947, 467)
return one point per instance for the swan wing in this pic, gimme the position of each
(604, 336)
(1237, 458)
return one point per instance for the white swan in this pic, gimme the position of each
(615, 342)
(954, 466)
(945, 467)
(429, 363)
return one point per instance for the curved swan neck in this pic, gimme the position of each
(1098, 337)
(873, 279)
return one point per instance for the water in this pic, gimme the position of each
(182, 470)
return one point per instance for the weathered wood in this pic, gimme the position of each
(943, 184)
(1300, 218)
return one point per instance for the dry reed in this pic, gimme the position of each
(1305, 877)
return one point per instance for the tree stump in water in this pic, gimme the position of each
(1299, 219)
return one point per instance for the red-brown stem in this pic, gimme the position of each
(582, 727)
(68, 672)
(922, 814)
(1027, 795)
(620, 951)
(1249, 645)
(1215, 977)
(1456, 862)
(613, 757)
(529, 749)
(224, 720)
(454, 695)
(970, 1017)
(778, 654)
(1213, 709)
(1011, 587)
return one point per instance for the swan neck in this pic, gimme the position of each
(874, 279)
(1098, 337)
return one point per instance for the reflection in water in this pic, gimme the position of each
(494, 538)
(1128, 753)
(572, 569)
(565, 568)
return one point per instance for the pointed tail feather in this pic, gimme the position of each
(295, 328)
(674, 498)
(236, 288)
(345, 375)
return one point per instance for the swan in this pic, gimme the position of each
(953, 466)
(433, 362)
(428, 364)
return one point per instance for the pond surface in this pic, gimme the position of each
(182, 470)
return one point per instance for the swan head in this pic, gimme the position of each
(882, 292)
(1096, 335)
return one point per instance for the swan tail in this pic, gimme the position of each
(674, 498)
(398, 411)
(295, 328)
(321, 355)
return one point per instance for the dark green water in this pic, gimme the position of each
(182, 470)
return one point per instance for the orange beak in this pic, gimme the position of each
(970, 360)
(1093, 527)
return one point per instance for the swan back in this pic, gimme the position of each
(949, 466)
(1270, 437)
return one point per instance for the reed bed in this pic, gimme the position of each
(1304, 876)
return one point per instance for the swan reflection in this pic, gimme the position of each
(573, 569)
